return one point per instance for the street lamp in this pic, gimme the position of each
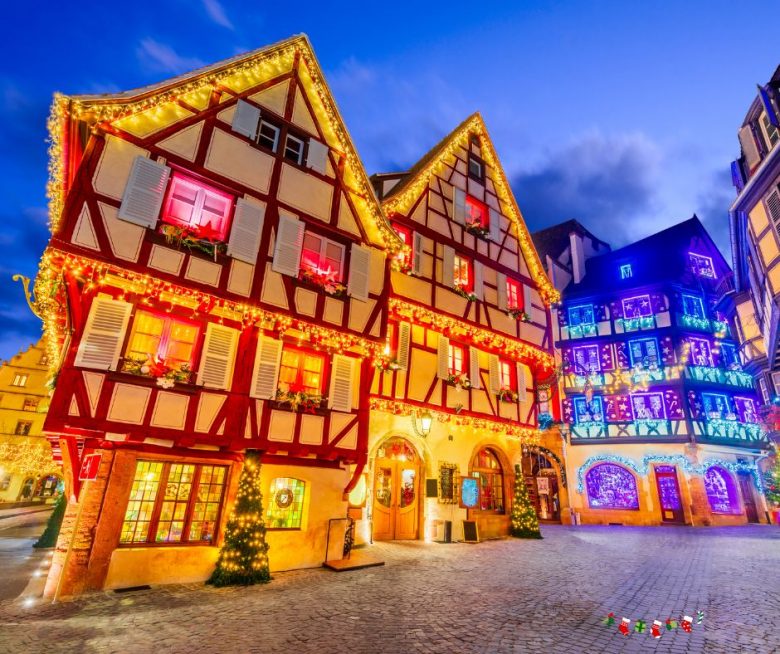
(426, 422)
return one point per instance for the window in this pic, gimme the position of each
(637, 307)
(457, 359)
(701, 265)
(476, 169)
(174, 503)
(5, 481)
(476, 213)
(611, 486)
(30, 404)
(462, 272)
(693, 306)
(285, 504)
(514, 294)
(729, 356)
(586, 359)
(721, 493)
(587, 412)
(322, 258)
(301, 371)
(405, 235)
(487, 469)
(581, 315)
(507, 372)
(20, 379)
(715, 405)
(268, 135)
(770, 131)
(625, 271)
(648, 406)
(746, 409)
(155, 338)
(700, 352)
(643, 351)
(198, 208)
(293, 149)
(764, 390)
(23, 428)
(44, 360)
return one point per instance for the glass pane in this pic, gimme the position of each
(140, 504)
(384, 486)
(285, 503)
(206, 509)
(407, 488)
(177, 493)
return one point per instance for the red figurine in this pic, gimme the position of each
(687, 624)
(655, 630)
(623, 628)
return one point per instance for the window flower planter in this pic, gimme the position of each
(478, 229)
(459, 381)
(323, 282)
(471, 297)
(507, 395)
(518, 314)
(202, 238)
(386, 365)
(158, 369)
(299, 400)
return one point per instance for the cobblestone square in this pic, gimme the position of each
(497, 596)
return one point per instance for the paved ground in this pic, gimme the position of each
(501, 596)
(17, 560)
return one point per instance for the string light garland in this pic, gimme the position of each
(403, 201)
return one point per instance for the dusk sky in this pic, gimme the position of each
(620, 114)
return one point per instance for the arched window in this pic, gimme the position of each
(285, 503)
(721, 493)
(487, 469)
(611, 486)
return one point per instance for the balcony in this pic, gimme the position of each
(725, 285)
(582, 331)
(744, 433)
(712, 375)
(719, 328)
(627, 325)
(627, 431)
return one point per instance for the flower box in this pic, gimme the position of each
(459, 381)
(478, 230)
(518, 314)
(471, 297)
(298, 399)
(202, 238)
(507, 395)
(323, 282)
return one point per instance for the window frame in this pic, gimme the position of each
(710, 360)
(167, 318)
(456, 268)
(33, 401)
(277, 138)
(698, 301)
(271, 498)
(451, 348)
(517, 287)
(23, 431)
(640, 315)
(477, 177)
(596, 399)
(648, 394)
(644, 355)
(306, 352)
(324, 242)
(484, 219)
(724, 396)
(505, 365)
(407, 236)
(696, 267)
(586, 348)
(626, 271)
(20, 379)
(301, 155)
(202, 189)
(490, 473)
(570, 315)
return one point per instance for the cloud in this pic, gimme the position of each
(712, 207)
(607, 182)
(217, 13)
(162, 58)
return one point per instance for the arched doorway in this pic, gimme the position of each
(48, 486)
(396, 506)
(541, 479)
(489, 465)
(27, 489)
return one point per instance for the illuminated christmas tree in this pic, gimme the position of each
(243, 559)
(772, 483)
(525, 524)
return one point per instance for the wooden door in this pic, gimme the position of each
(384, 491)
(396, 500)
(748, 499)
(406, 503)
(669, 495)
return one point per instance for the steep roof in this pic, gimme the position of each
(405, 193)
(553, 241)
(661, 257)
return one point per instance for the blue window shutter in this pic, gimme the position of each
(737, 175)
(766, 100)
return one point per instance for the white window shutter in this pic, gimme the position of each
(244, 243)
(474, 377)
(404, 343)
(144, 192)
(495, 225)
(494, 374)
(104, 334)
(522, 393)
(218, 357)
(448, 267)
(287, 249)
(459, 205)
(342, 383)
(359, 270)
(265, 377)
(479, 285)
(772, 203)
(749, 148)
(443, 357)
(527, 300)
(317, 157)
(501, 291)
(417, 253)
(246, 119)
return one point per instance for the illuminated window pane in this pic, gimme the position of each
(456, 356)
(205, 512)
(506, 373)
(514, 296)
(487, 469)
(140, 506)
(721, 493)
(462, 272)
(611, 486)
(285, 503)
(174, 505)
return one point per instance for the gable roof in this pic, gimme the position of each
(236, 73)
(404, 194)
(553, 241)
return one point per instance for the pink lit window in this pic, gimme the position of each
(201, 208)
(507, 373)
(457, 358)
(462, 273)
(476, 213)
(514, 294)
(323, 257)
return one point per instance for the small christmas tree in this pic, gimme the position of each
(772, 483)
(243, 559)
(525, 524)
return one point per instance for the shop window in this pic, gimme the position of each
(693, 306)
(301, 371)
(611, 486)
(20, 379)
(643, 351)
(637, 307)
(198, 208)
(581, 315)
(648, 406)
(487, 468)
(586, 359)
(174, 503)
(702, 265)
(700, 352)
(721, 491)
(158, 340)
(285, 505)
(30, 404)
(508, 374)
(293, 149)
(586, 412)
(457, 359)
(476, 213)
(514, 294)
(462, 274)
(322, 259)
(23, 428)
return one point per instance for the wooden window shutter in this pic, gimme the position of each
(495, 225)
(104, 334)
(246, 119)
(527, 300)
(474, 377)
(522, 393)
(342, 383)
(404, 343)
(749, 147)
(443, 357)
(417, 253)
(459, 205)
(494, 374)
(218, 356)
(359, 271)
(144, 192)
(479, 285)
(317, 156)
(501, 291)
(448, 267)
(287, 249)
(244, 243)
(772, 203)
(265, 376)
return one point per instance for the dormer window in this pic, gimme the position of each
(701, 265)
(476, 168)
(268, 135)
(625, 271)
(197, 207)
(293, 149)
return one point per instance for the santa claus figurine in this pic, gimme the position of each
(687, 624)
(623, 628)
(655, 630)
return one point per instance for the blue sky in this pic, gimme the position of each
(621, 114)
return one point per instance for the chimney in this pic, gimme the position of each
(577, 257)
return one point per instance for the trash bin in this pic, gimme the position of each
(448, 531)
